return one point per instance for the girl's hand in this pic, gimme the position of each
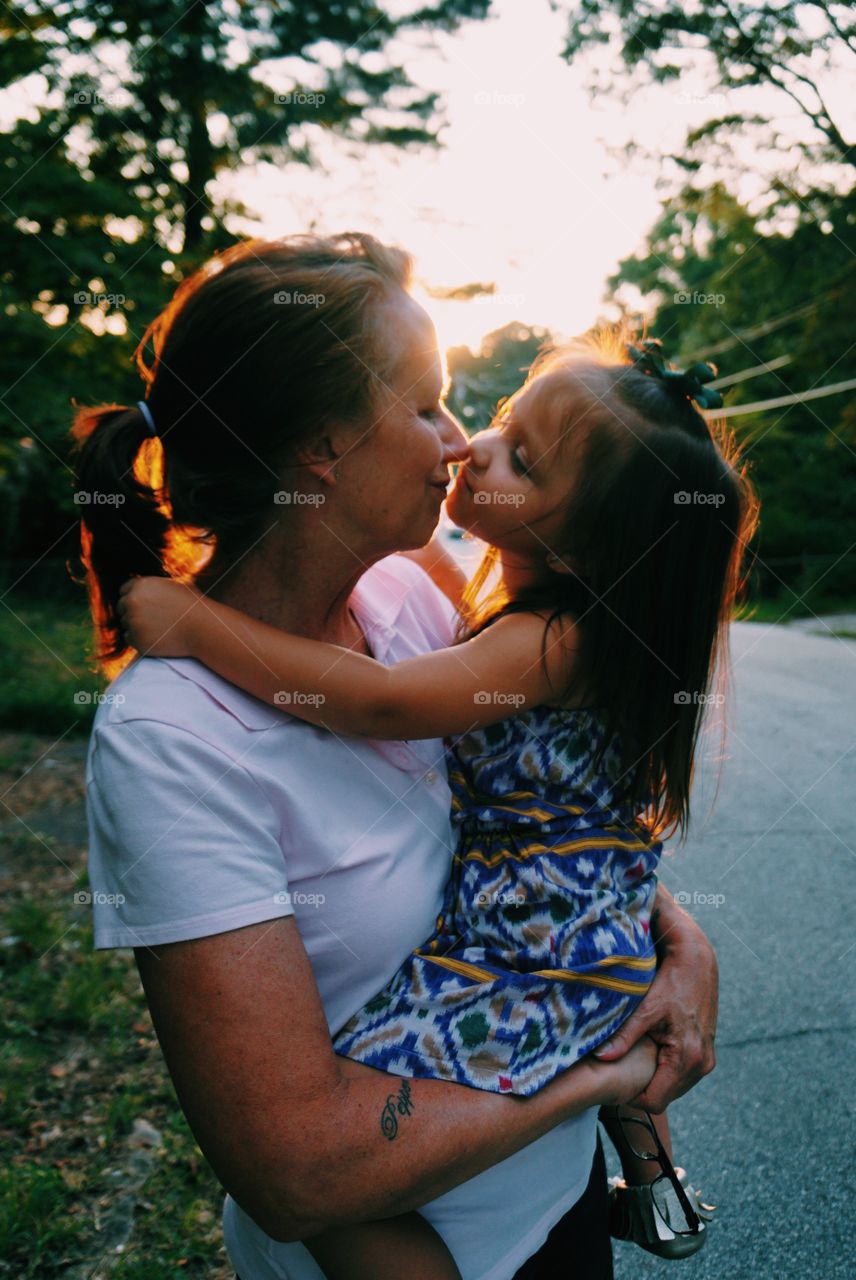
(619, 1083)
(154, 614)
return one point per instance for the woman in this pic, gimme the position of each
(271, 876)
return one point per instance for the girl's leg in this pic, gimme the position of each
(402, 1248)
(636, 1172)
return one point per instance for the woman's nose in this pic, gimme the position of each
(455, 442)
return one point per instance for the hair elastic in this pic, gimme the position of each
(147, 417)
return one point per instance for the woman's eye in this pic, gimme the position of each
(518, 464)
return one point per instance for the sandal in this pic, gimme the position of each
(635, 1214)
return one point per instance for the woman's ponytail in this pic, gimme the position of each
(124, 524)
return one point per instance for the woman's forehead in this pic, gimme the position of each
(411, 341)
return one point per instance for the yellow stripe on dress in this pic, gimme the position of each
(567, 846)
(563, 975)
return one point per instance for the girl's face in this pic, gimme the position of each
(513, 491)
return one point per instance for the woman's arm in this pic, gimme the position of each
(680, 1010)
(304, 1139)
(437, 694)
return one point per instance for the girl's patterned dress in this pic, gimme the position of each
(542, 948)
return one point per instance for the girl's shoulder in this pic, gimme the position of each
(556, 641)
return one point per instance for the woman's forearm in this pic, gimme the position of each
(384, 1145)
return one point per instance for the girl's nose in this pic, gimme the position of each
(480, 446)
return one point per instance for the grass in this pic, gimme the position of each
(79, 1063)
(46, 680)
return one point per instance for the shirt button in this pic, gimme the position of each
(430, 777)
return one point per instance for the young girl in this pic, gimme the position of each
(615, 524)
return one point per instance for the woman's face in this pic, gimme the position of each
(394, 473)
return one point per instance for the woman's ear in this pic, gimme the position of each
(321, 458)
(555, 562)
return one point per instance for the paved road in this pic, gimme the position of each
(771, 1134)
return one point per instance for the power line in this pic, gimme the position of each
(779, 402)
(744, 374)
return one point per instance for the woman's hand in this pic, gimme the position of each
(680, 1010)
(154, 614)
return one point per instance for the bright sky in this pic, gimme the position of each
(525, 192)
(530, 190)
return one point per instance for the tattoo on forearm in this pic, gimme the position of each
(400, 1104)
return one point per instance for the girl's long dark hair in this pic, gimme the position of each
(257, 351)
(656, 530)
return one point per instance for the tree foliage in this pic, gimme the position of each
(784, 47)
(109, 188)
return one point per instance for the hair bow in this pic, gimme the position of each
(648, 357)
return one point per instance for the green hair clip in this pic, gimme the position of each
(648, 358)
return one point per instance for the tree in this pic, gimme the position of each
(718, 285)
(480, 380)
(781, 46)
(172, 94)
(108, 186)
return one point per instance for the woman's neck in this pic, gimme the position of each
(296, 590)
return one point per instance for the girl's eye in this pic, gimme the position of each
(430, 415)
(518, 464)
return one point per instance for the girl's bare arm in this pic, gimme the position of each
(449, 691)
